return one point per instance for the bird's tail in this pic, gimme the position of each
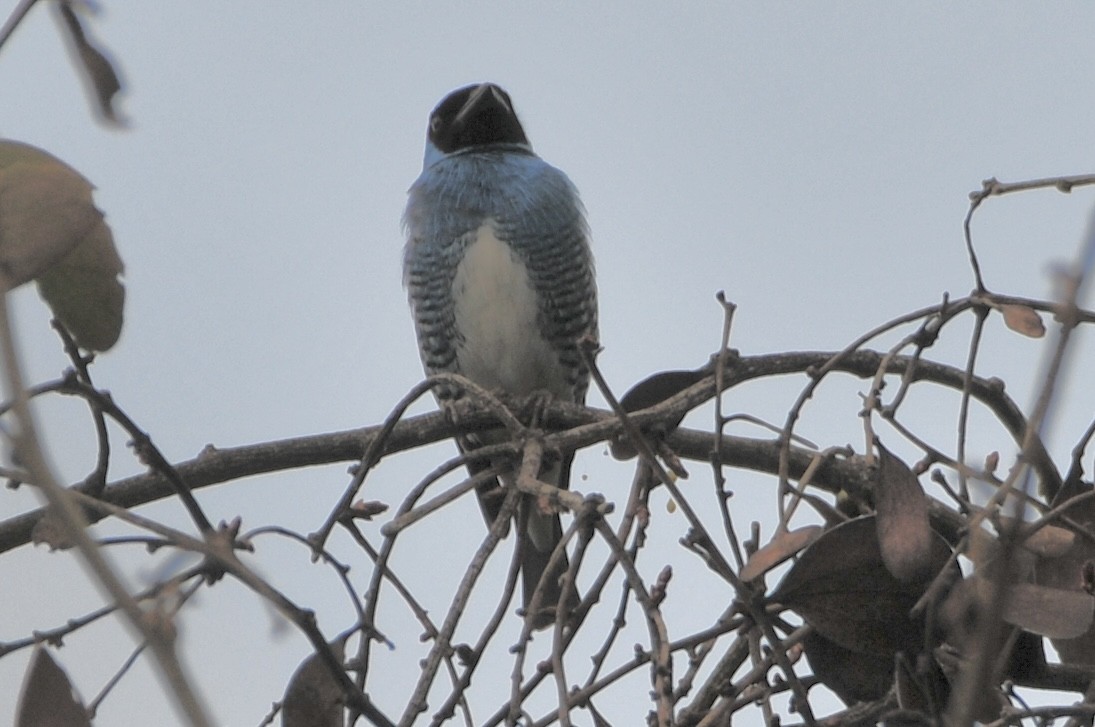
(538, 534)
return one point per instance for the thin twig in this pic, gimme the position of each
(14, 19)
(27, 444)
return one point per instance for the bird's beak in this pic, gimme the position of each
(476, 98)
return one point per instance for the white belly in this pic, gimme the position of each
(496, 311)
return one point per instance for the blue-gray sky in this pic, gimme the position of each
(811, 159)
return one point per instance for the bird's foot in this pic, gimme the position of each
(538, 404)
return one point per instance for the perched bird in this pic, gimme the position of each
(499, 274)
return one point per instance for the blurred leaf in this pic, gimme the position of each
(1072, 571)
(48, 699)
(52, 531)
(841, 587)
(960, 617)
(986, 552)
(313, 698)
(782, 546)
(97, 70)
(45, 211)
(1023, 319)
(84, 292)
(983, 550)
(1050, 541)
(904, 533)
(1052, 612)
(51, 230)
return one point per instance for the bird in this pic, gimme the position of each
(500, 277)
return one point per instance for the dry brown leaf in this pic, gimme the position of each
(986, 552)
(783, 545)
(48, 698)
(853, 676)
(1023, 319)
(97, 71)
(1050, 541)
(313, 698)
(841, 587)
(1071, 571)
(45, 211)
(52, 531)
(920, 686)
(50, 230)
(84, 292)
(904, 533)
(1053, 612)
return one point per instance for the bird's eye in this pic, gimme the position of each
(435, 123)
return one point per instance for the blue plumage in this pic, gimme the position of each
(500, 278)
